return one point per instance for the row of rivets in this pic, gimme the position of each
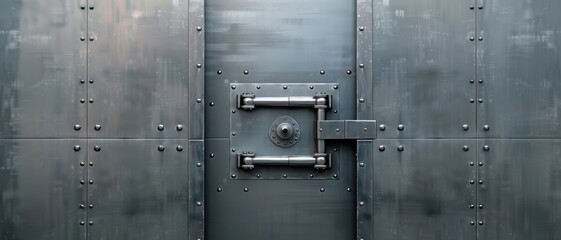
(400, 127)
(246, 72)
(383, 148)
(178, 127)
(161, 148)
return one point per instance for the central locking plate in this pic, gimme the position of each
(280, 131)
(285, 131)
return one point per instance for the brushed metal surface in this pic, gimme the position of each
(139, 64)
(422, 192)
(139, 192)
(519, 63)
(423, 62)
(521, 190)
(40, 190)
(41, 63)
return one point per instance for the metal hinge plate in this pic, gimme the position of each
(346, 129)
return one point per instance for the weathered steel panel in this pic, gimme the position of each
(42, 64)
(141, 189)
(417, 189)
(520, 193)
(138, 69)
(41, 196)
(423, 64)
(519, 69)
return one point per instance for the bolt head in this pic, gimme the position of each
(91, 100)
(160, 127)
(349, 189)
(400, 127)
(91, 81)
(179, 148)
(382, 127)
(486, 148)
(161, 148)
(284, 176)
(486, 127)
(179, 127)
(382, 148)
(97, 148)
(199, 204)
(465, 148)
(361, 164)
(77, 148)
(199, 28)
(97, 127)
(322, 72)
(199, 164)
(349, 72)
(77, 127)
(361, 28)
(245, 72)
(233, 175)
(219, 189)
(211, 155)
(465, 127)
(322, 189)
(199, 65)
(361, 204)
(219, 72)
(246, 189)
(361, 65)
(400, 148)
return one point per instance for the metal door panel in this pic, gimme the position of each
(140, 191)
(519, 67)
(138, 65)
(40, 190)
(43, 61)
(276, 209)
(421, 192)
(423, 61)
(520, 196)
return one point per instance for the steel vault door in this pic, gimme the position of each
(270, 75)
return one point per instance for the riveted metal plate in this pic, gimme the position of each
(137, 185)
(249, 130)
(288, 138)
(407, 198)
(40, 190)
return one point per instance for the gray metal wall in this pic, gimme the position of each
(102, 134)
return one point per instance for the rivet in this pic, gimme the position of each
(361, 100)
(480, 38)
(480, 80)
(77, 127)
(258, 175)
(335, 175)
(161, 148)
(82, 7)
(91, 181)
(258, 87)
(77, 148)
(471, 206)
(471, 81)
(82, 81)
(211, 155)
(480, 206)
(480, 222)
(90, 206)
(160, 127)
(486, 148)
(322, 72)
(465, 148)
(322, 189)
(246, 189)
(480, 181)
(91, 38)
(471, 100)
(233, 133)
(179, 148)
(97, 148)
(91, 81)
(91, 223)
(400, 127)
(233, 110)
(90, 163)
(97, 127)
(82, 164)
(382, 127)
(486, 128)
(219, 189)
(382, 148)
(471, 7)
(199, 204)
(471, 38)
(465, 127)
(361, 204)
(471, 163)
(335, 87)
(82, 206)
(245, 72)
(480, 163)
(82, 181)
(361, 28)
(219, 72)
(472, 223)
(361, 164)
(199, 164)
(349, 72)
(199, 100)
(400, 148)
(211, 104)
(91, 100)
(179, 127)
(311, 87)
(233, 86)
(199, 28)
(82, 100)
(284, 87)
(82, 222)
(337, 130)
(233, 150)
(335, 111)
(82, 38)
(92, 7)
(365, 129)
(349, 189)
(233, 175)
(471, 181)
(199, 65)
(480, 7)
(361, 65)
(284, 176)
(480, 100)
(311, 175)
